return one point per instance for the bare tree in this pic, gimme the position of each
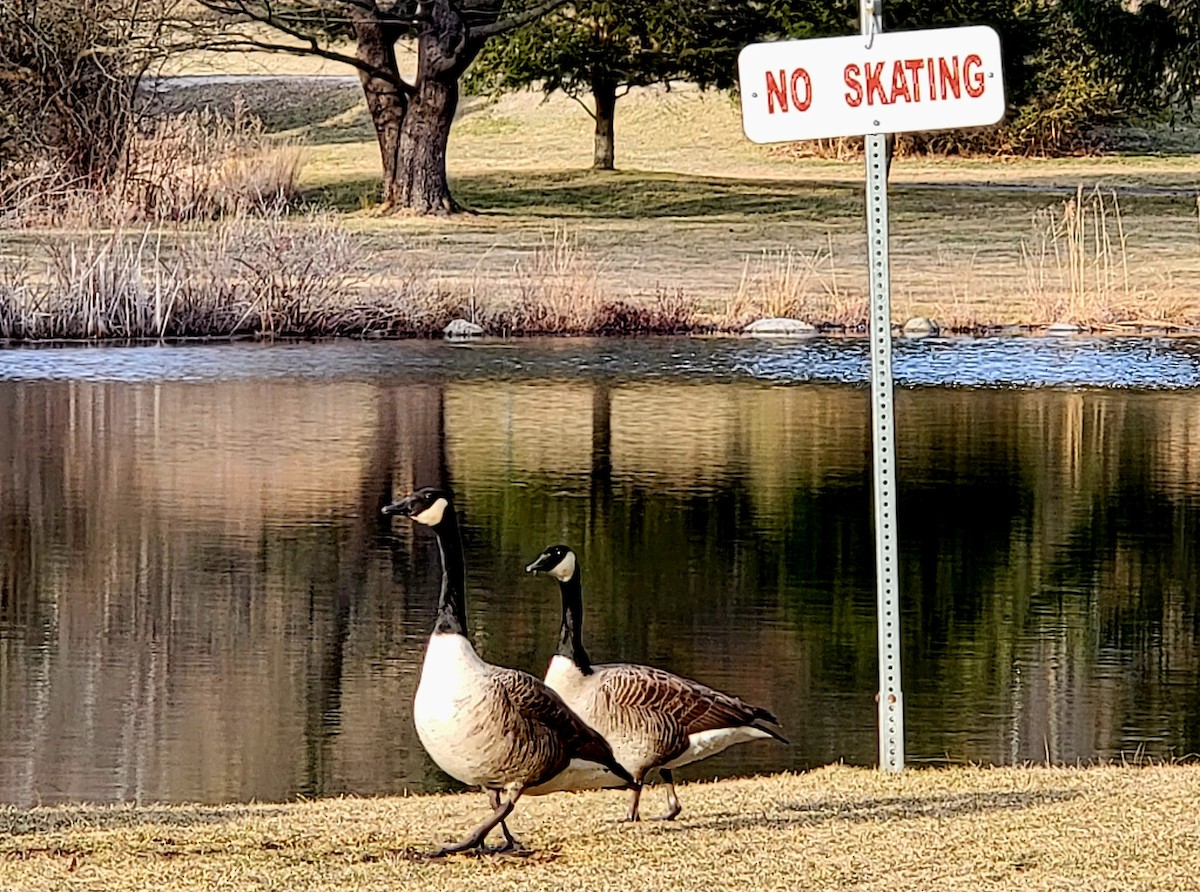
(412, 116)
(68, 73)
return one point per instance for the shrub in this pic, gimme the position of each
(68, 71)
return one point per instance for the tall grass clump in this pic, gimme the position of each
(245, 276)
(558, 291)
(797, 285)
(109, 286)
(201, 165)
(557, 288)
(1077, 267)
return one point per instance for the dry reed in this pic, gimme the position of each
(245, 276)
(558, 287)
(1077, 267)
(797, 285)
(197, 166)
(559, 290)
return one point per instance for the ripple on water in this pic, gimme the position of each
(1117, 362)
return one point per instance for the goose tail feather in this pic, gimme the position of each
(764, 719)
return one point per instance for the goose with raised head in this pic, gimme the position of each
(652, 718)
(488, 726)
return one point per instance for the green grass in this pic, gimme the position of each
(1030, 829)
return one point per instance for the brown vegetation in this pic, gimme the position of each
(270, 275)
(198, 165)
(246, 276)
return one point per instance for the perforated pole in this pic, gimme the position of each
(883, 426)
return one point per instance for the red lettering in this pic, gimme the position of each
(801, 104)
(776, 92)
(854, 96)
(948, 77)
(914, 67)
(973, 76)
(932, 78)
(874, 85)
(899, 83)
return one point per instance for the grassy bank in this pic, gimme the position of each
(699, 230)
(1110, 828)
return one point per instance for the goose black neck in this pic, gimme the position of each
(570, 644)
(452, 603)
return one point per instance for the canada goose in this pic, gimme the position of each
(496, 728)
(651, 717)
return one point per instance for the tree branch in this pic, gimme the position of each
(582, 104)
(285, 23)
(482, 32)
(241, 44)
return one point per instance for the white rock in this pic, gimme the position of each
(1063, 328)
(462, 328)
(920, 327)
(779, 327)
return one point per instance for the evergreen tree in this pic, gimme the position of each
(604, 48)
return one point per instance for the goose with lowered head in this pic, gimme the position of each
(652, 718)
(488, 726)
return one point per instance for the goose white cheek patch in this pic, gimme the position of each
(565, 568)
(432, 515)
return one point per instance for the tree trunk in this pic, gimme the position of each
(412, 121)
(604, 93)
(387, 100)
(421, 186)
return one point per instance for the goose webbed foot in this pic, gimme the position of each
(673, 806)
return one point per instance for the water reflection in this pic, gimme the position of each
(199, 600)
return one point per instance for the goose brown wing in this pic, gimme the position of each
(694, 706)
(540, 717)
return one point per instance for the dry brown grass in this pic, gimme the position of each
(265, 276)
(195, 166)
(797, 285)
(561, 288)
(1078, 267)
(838, 828)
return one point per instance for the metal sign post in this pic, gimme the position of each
(876, 84)
(883, 428)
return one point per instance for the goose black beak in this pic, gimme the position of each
(541, 564)
(403, 507)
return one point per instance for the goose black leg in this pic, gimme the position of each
(475, 838)
(632, 814)
(510, 841)
(673, 806)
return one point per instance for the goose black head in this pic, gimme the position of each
(428, 505)
(557, 561)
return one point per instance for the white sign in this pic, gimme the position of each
(892, 82)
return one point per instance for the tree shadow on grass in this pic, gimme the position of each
(651, 195)
(627, 195)
(322, 110)
(635, 195)
(896, 808)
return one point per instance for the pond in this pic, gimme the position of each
(199, 599)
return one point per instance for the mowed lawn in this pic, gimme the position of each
(1033, 829)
